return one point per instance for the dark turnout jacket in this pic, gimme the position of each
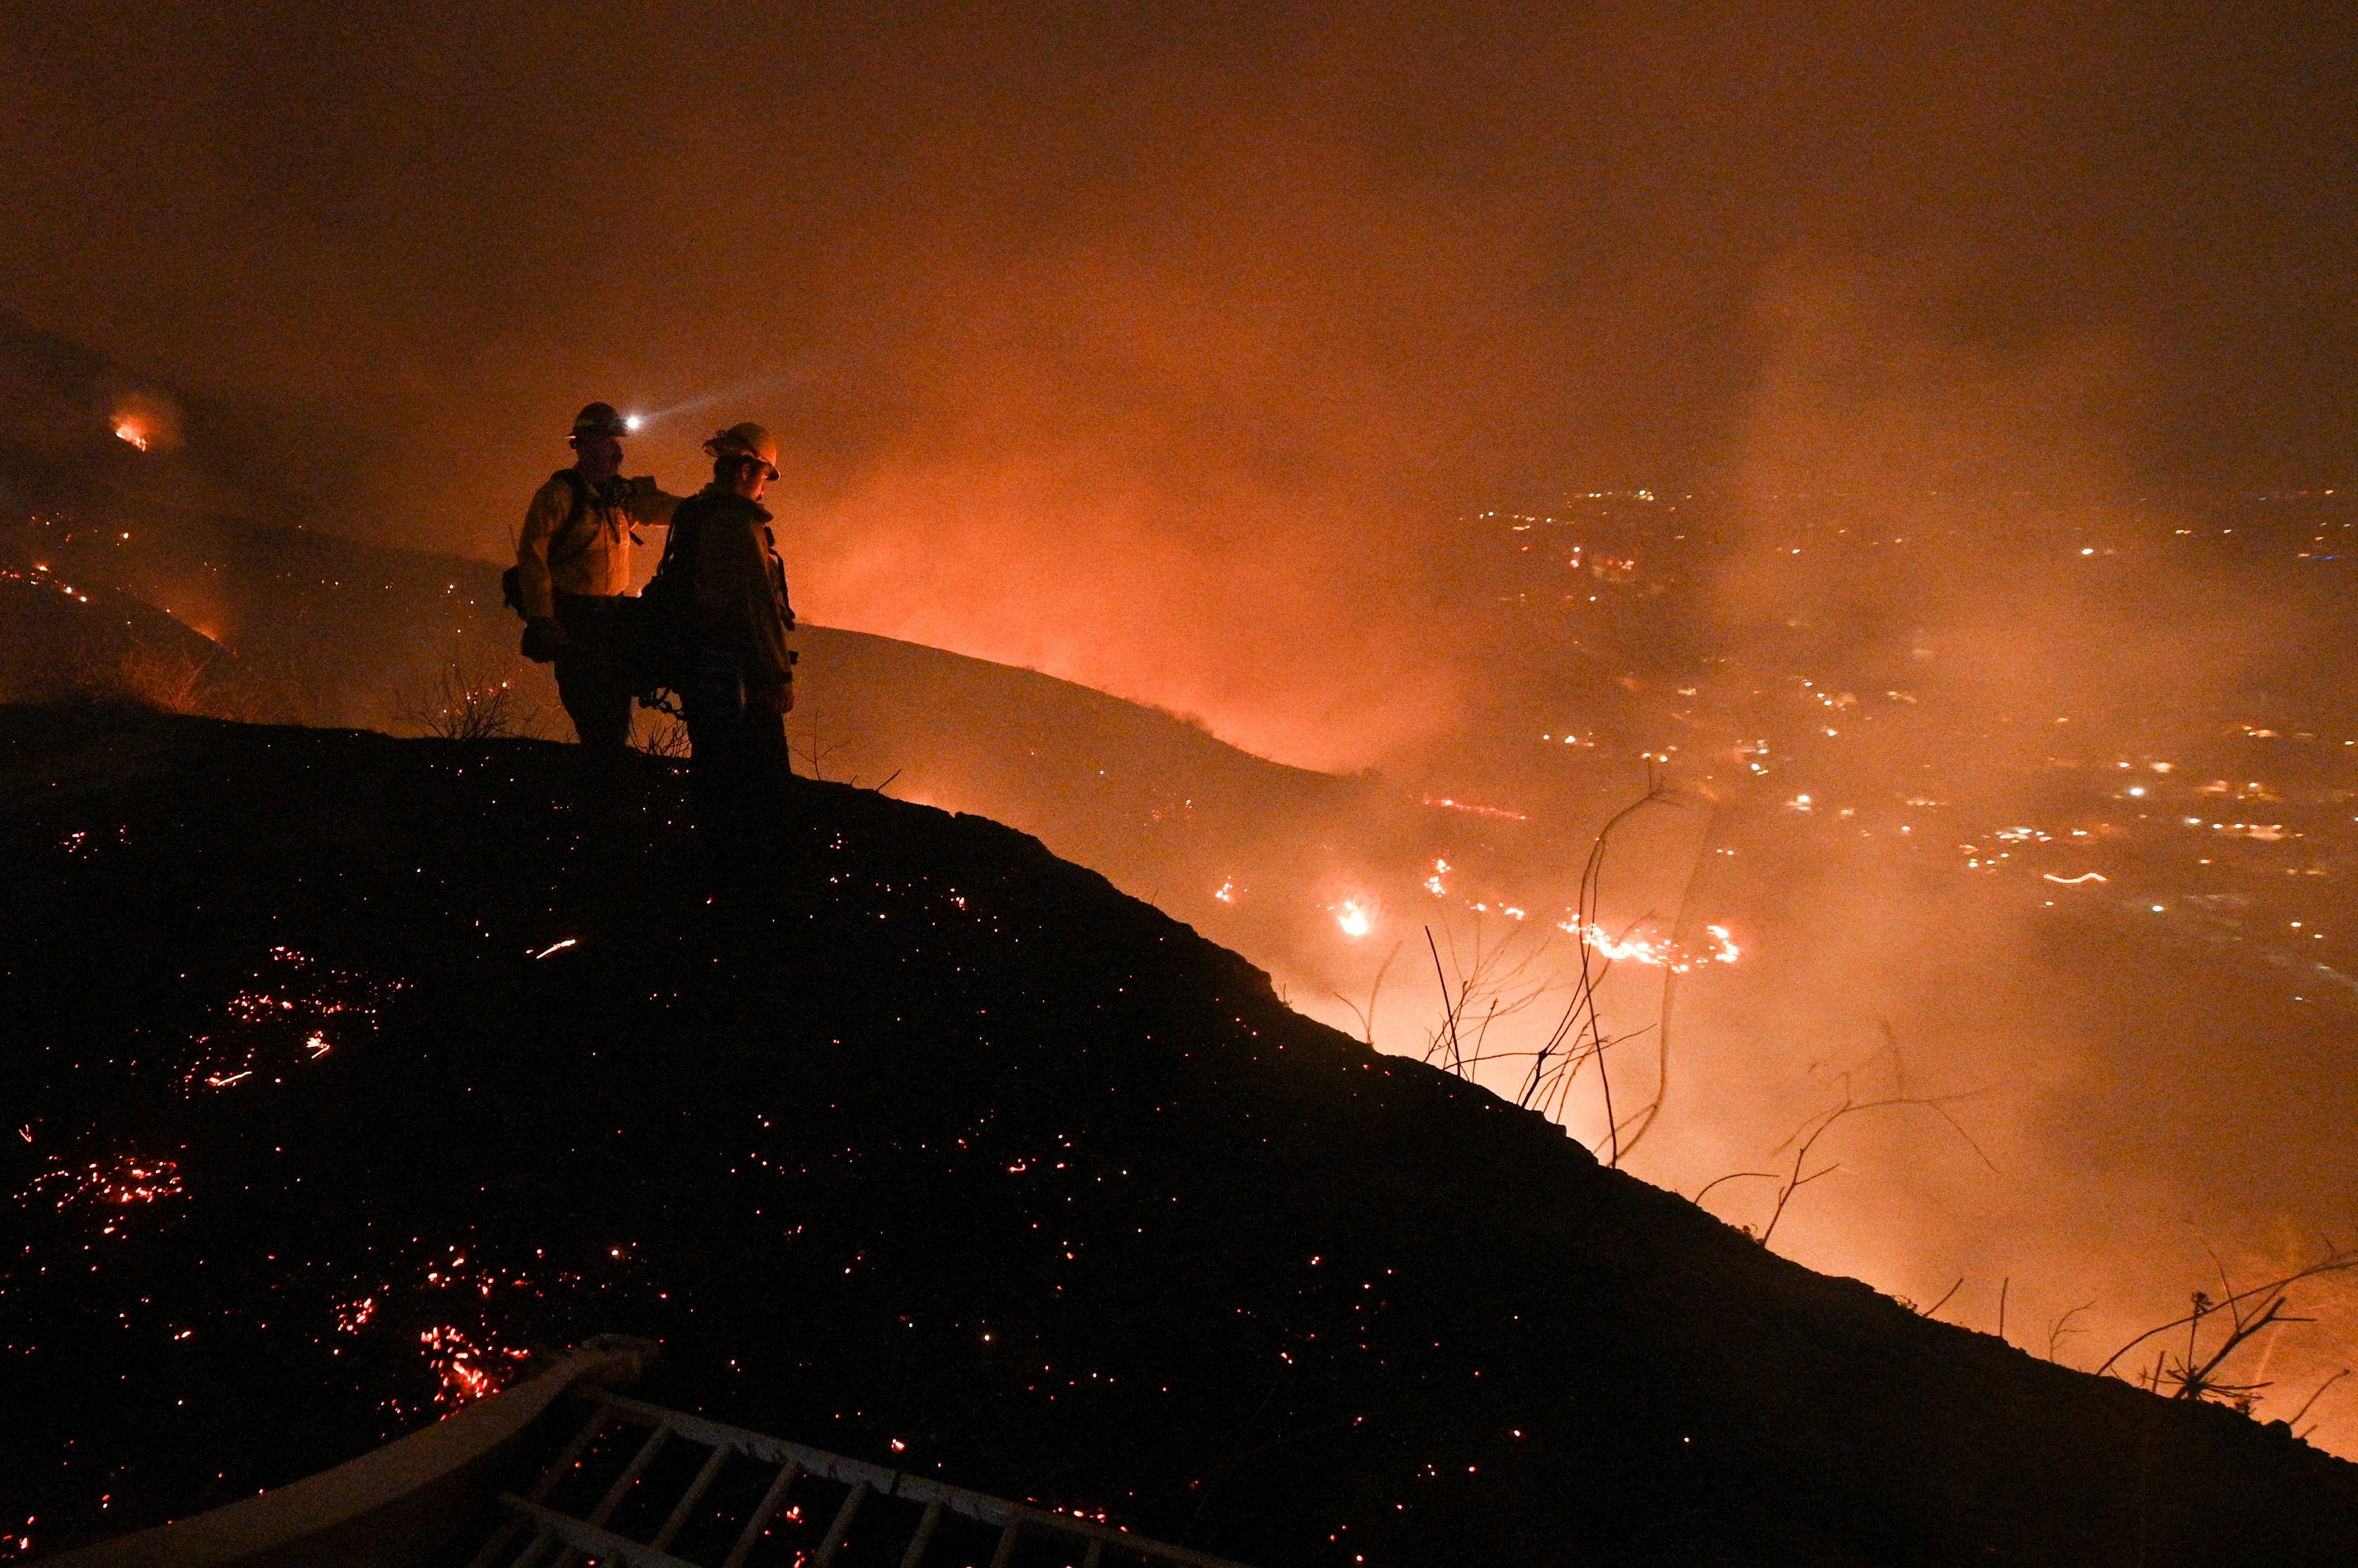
(736, 589)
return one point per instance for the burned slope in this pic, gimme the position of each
(62, 639)
(341, 1070)
(1232, 842)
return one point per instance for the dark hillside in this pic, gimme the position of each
(341, 1069)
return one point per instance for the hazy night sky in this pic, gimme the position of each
(1109, 338)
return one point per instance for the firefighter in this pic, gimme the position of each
(728, 589)
(573, 576)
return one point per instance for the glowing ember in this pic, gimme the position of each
(297, 1019)
(1446, 804)
(131, 431)
(119, 1179)
(1226, 892)
(466, 1371)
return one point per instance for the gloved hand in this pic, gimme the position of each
(543, 640)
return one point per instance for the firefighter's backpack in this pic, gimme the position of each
(569, 532)
(668, 652)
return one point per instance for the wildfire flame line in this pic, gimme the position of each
(1661, 952)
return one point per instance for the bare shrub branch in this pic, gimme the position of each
(462, 705)
(1945, 1296)
(1579, 1035)
(2193, 1375)
(2315, 1397)
(2061, 1326)
(171, 679)
(1366, 1018)
(663, 736)
(1805, 1137)
(813, 753)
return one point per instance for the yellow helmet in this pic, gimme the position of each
(746, 440)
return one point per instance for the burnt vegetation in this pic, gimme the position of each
(466, 703)
(345, 1070)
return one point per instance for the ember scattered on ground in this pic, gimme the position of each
(342, 1072)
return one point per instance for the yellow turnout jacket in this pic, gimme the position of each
(560, 552)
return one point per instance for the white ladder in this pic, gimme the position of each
(541, 1534)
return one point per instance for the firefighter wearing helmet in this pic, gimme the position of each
(721, 567)
(573, 576)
